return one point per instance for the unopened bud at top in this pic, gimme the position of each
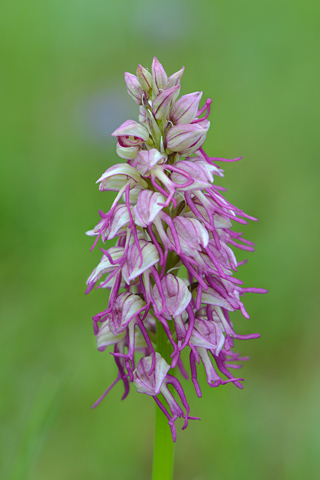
(145, 78)
(160, 78)
(175, 79)
(162, 103)
(133, 86)
(185, 109)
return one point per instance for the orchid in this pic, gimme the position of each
(169, 217)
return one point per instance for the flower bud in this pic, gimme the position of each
(186, 138)
(131, 133)
(147, 207)
(175, 79)
(145, 78)
(160, 78)
(133, 87)
(162, 103)
(147, 383)
(176, 294)
(147, 159)
(185, 109)
(125, 306)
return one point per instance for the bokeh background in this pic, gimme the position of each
(62, 94)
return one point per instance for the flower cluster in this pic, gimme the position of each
(168, 217)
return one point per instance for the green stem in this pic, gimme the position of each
(163, 457)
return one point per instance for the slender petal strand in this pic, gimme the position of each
(168, 213)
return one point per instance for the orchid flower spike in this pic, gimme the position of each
(168, 213)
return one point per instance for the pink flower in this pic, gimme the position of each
(176, 294)
(147, 159)
(133, 266)
(148, 206)
(125, 308)
(207, 335)
(155, 383)
(147, 383)
(192, 234)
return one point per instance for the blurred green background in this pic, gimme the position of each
(62, 94)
